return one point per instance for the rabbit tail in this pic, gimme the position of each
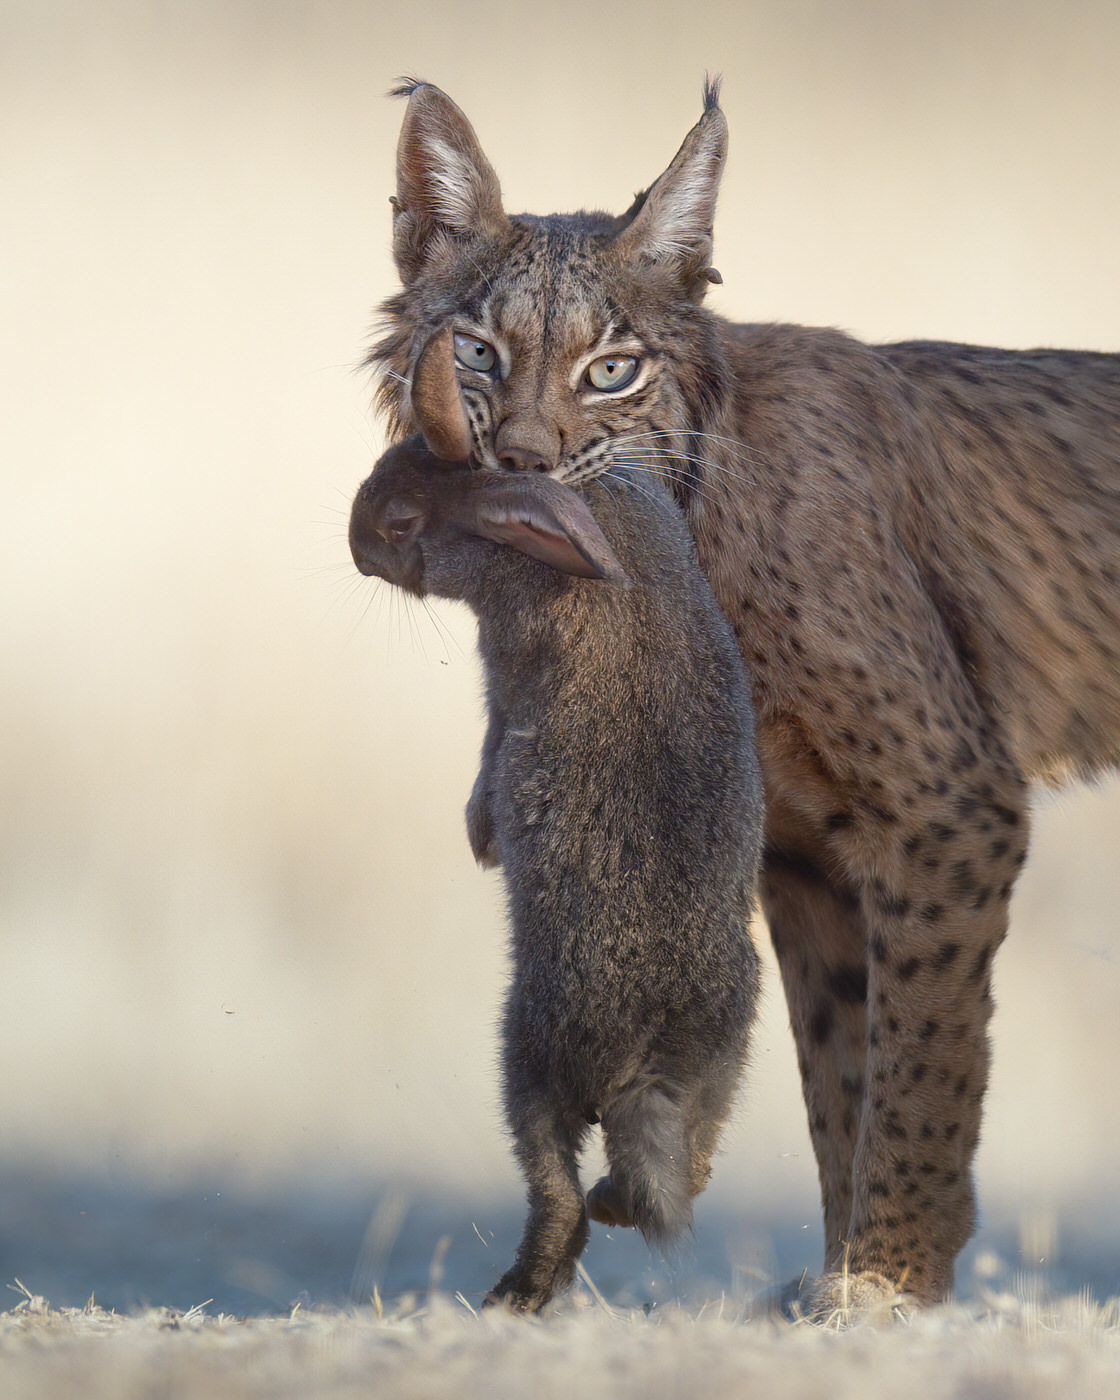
(650, 1183)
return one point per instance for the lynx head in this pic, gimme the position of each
(579, 339)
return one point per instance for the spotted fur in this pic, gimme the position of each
(918, 547)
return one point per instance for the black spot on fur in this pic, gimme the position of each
(848, 984)
(980, 966)
(820, 1027)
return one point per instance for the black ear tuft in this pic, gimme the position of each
(406, 87)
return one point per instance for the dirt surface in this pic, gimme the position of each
(1008, 1346)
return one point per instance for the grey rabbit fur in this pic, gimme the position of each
(619, 792)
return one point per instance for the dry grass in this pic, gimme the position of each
(1004, 1345)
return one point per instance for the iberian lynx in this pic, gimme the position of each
(918, 547)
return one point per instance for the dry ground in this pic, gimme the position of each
(271, 1274)
(1006, 1344)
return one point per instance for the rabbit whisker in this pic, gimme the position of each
(443, 629)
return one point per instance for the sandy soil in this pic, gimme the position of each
(1007, 1346)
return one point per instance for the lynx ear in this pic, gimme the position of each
(446, 188)
(672, 222)
(546, 520)
(437, 403)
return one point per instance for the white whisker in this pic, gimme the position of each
(441, 627)
(736, 472)
(610, 476)
(735, 446)
(737, 452)
(666, 470)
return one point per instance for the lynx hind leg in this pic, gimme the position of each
(821, 946)
(649, 1187)
(547, 1147)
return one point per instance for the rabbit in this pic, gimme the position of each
(620, 794)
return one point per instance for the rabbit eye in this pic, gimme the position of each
(611, 372)
(400, 524)
(475, 354)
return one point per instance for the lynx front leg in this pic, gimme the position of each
(820, 941)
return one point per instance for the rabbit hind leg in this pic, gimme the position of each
(645, 1134)
(710, 1107)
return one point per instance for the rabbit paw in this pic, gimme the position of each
(527, 1290)
(480, 829)
(605, 1204)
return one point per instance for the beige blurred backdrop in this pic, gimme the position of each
(238, 920)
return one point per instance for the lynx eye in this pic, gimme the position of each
(610, 372)
(475, 354)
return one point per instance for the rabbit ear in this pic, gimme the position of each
(437, 402)
(548, 521)
(447, 192)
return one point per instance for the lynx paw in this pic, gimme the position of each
(838, 1300)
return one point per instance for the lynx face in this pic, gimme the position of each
(558, 371)
(578, 338)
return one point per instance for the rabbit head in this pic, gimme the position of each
(423, 524)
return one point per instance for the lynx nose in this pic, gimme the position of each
(523, 459)
(527, 442)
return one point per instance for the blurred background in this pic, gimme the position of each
(249, 974)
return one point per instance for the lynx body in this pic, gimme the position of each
(917, 548)
(620, 794)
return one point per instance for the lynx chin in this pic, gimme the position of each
(918, 549)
